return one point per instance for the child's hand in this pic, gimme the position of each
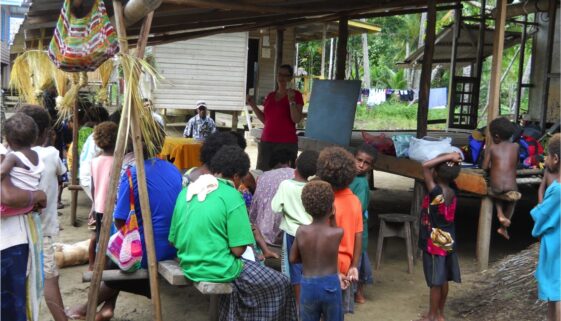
(290, 94)
(344, 282)
(352, 275)
(456, 158)
(270, 255)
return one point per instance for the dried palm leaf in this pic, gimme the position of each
(151, 132)
(62, 84)
(20, 79)
(79, 80)
(105, 71)
(31, 75)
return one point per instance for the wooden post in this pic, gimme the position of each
(520, 69)
(342, 48)
(498, 46)
(235, 121)
(416, 204)
(547, 74)
(331, 50)
(323, 35)
(141, 181)
(455, 37)
(484, 233)
(426, 69)
(278, 52)
(75, 158)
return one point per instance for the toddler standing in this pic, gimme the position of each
(317, 245)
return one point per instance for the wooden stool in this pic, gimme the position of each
(396, 225)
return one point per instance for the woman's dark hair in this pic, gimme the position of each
(21, 130)
(306, 163)
(115, 116)
(337, 167)
(229, 161)
(96, 115)
(241, 140)
(502, 128)
(317, 198)
(282, 156)
(213, 143)
(288, 68)
(39, 115)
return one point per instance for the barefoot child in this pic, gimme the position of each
(337, 167)
(316, 246)
(105, 135)
(501, 159)
(49, 216)
(288, 202)
(437, 233)
(546, 226)
(365, 156)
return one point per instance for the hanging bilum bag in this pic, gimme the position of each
(125, 246)
(83, 44)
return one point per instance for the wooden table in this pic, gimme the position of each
(184, 153)
(469, 180)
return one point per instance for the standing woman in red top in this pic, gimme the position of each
(282, 111)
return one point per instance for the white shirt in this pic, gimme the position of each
(89, 151)
(12, 228)
(49, 184)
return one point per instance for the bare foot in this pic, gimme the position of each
(105, 314)
(440, 318)
(359, 298)
(503, 232)
(503, 220)
(74, 314)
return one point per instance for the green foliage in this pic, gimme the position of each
(393, 115)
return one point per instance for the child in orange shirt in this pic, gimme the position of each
(337, 167)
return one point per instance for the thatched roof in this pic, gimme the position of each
(176, 20)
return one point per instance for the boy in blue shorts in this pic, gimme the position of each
(317, 247)
(365, 156)
(288, 202)
(546, 216)
(437, 233)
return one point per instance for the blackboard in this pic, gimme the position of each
(331, 113)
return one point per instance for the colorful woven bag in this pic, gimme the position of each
(83, 44)
(125, 246)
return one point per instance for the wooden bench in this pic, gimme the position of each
(172, 273)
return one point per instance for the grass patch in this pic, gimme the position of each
(394, 116)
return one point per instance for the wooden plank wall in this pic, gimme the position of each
(212, 68)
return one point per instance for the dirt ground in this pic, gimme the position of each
(395, 294)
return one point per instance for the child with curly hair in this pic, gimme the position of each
(546, 217)
(288, 203)
(501, 159)
(337, 167)
(317, 245)
(105, 136)
(437, 232)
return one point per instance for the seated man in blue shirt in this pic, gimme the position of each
(200, 126)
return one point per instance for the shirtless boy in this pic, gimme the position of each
(501, 159)
(317, 247)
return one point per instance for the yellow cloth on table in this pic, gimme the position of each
(171, 143)
(186, 156)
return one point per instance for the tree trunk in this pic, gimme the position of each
(365, 61)
(417, 73)
(408, 71)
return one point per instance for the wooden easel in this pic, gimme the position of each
(141, 181)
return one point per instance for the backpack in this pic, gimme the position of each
(531, 151)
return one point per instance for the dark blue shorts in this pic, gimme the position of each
(441, 269)
(320, 297)
(295, 269)
(13, 270)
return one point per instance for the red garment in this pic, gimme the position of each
(279, 127)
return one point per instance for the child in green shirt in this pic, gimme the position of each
(288, 201)
(365, 156)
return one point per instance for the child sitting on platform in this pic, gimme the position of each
(365, 156)
(316, 246)
(288, 202)
(501, 159)
(547, 227)
(437, 234)
(105, 136)
(337, 167)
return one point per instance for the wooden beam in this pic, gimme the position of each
(484, 232)
(549, 49)
(520, 69)
(342, 48)
(144, 32)
(323, 37)
(455, 44)
(75, 158)
(426, 70)
(232, 5)
(498, 46)
(278, 52)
